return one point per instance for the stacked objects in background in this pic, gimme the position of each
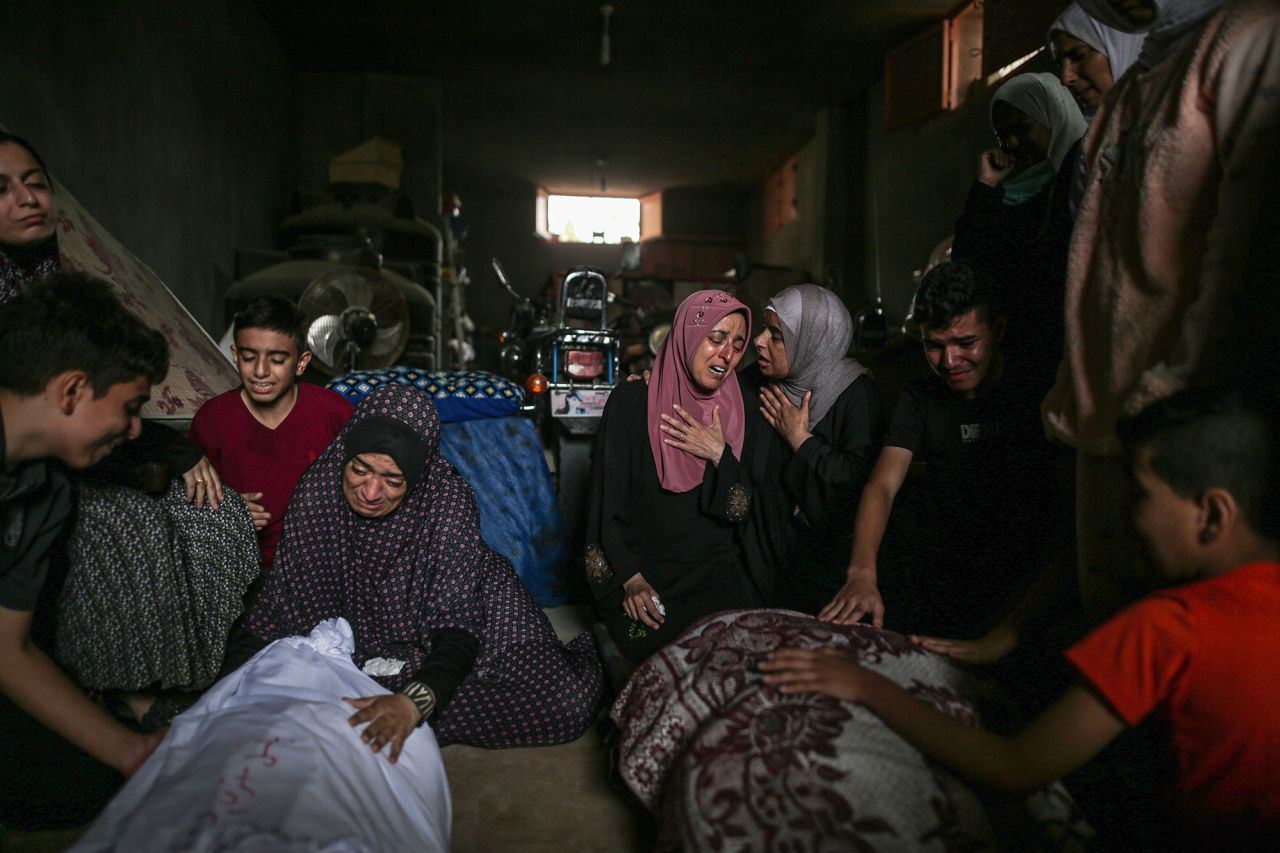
(365, 239)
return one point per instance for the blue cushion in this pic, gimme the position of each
(519, 513)
(459, 395)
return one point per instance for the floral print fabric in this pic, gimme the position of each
(730, 764)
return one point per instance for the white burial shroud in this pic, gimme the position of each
(267, 761)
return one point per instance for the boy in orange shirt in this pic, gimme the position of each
(1201, 656)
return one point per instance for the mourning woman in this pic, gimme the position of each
(1090, 56)
(669, 486)
(1016, 224)
(28, 247)
(824, 410)
(383, 532)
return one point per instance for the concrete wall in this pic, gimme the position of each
(800, 243)
(336, 112)
(915, 183)
(173, 123)
(703, 211)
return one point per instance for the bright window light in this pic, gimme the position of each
(593, 219)
(1004, 72)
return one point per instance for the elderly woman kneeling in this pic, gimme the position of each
(385, 533)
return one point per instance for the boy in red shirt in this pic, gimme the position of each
(1202, 656)
(262, 436)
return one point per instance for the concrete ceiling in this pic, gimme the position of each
(699, 92)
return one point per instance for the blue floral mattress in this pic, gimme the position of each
(459, 395)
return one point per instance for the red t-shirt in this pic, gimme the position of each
(253, 458)
(1205, 658)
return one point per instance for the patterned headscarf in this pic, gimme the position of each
(1175, 23)
(1047, 102)
(816, 332)
(670, 383)
(1120, 48)
(397, 579)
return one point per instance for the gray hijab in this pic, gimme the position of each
(816, 332)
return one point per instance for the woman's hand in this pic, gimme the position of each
(994, 167)
(857, 598)
(641, 602)
(832, 672)
(989, 648)
(257, 511)
(790, 421)
(392, 717)
(687, 434)
(203, 484)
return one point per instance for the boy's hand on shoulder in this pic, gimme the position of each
(203, 484)
(832, 672)
(257, 511)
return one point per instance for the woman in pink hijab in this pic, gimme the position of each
(669, 484)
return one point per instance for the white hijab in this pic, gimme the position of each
(816, 333)
(1047, 102)
(1176, 23)
(1120, 48)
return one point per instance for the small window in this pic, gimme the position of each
(592, 219)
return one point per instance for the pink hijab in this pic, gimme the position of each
(670, 384)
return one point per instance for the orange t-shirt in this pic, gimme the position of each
(1205, 658)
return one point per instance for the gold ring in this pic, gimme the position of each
(199, 482)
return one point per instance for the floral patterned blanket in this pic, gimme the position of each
(730, 764)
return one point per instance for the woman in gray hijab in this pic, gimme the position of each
(825, 411)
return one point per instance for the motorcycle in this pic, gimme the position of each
(568, 363)
(530, 323)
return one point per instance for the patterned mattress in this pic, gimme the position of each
(730, 764)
